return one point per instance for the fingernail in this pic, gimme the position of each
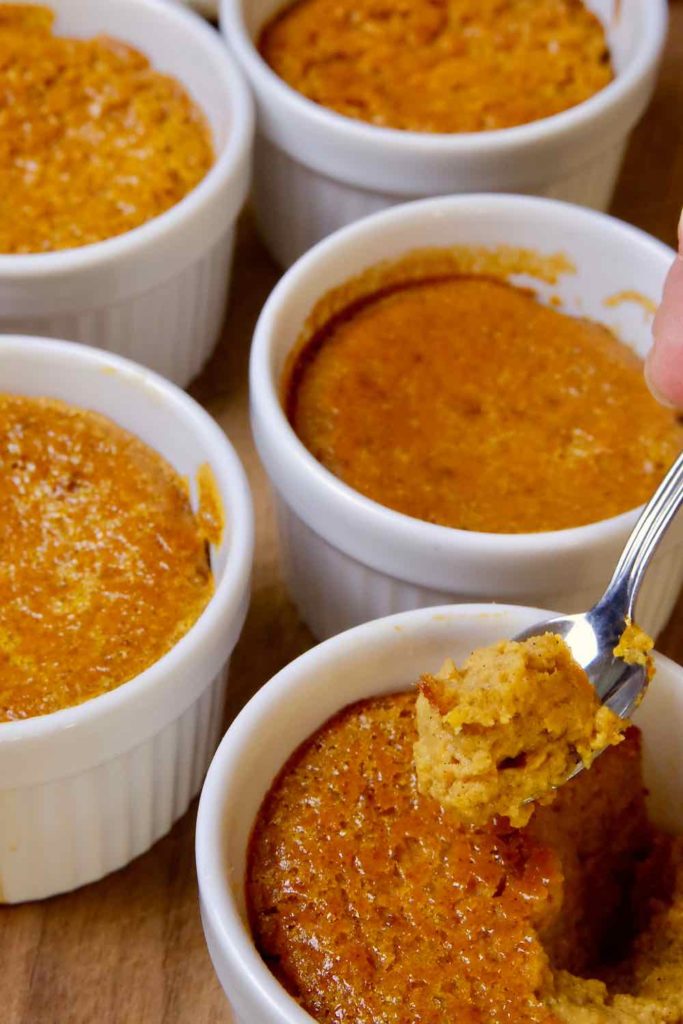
(654, 390)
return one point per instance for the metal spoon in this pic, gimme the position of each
(593, 635)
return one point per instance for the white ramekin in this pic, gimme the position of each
(316, 170)
(379, 657)
(84, 790)
(348, 559)
(156, 294)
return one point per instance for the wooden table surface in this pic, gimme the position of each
(130, 949)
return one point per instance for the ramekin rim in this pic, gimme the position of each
(649, 49)
(265, 392)
(229, 594)
(117, 247)
(216, 893)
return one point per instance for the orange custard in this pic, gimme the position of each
(461, 400)
(440, 65)
(502, 733)
(370, 902)
(93, 141)
(104, 566)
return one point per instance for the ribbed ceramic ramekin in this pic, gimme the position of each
(378, 657)
(156, 294)
(348, 559)
(86, 789)
(316, 170)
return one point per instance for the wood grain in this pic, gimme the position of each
(130, 949)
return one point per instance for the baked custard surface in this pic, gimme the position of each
(93, 141)
(440, 65)
(104, 565)
(370, 902)
(461, 400)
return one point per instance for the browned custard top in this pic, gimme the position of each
(103, 565)
(370, 902)
(462, 400)
(440, 65)
(364, 895)
(93, 140)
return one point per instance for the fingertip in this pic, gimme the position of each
(655, 383)
(664, 372)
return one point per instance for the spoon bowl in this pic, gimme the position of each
(592, 636)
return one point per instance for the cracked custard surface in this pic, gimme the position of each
(440, 65)
(103, 564)
(93, 141)
(370, 902)
(461, 400)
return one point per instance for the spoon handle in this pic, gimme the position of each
(641, 545)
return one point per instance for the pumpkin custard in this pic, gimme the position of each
(460, 399)
(440, 65)
(502, 733)
(370, 901)
(93, 141)
(104, 565)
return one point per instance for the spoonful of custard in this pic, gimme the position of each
(524, 716)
